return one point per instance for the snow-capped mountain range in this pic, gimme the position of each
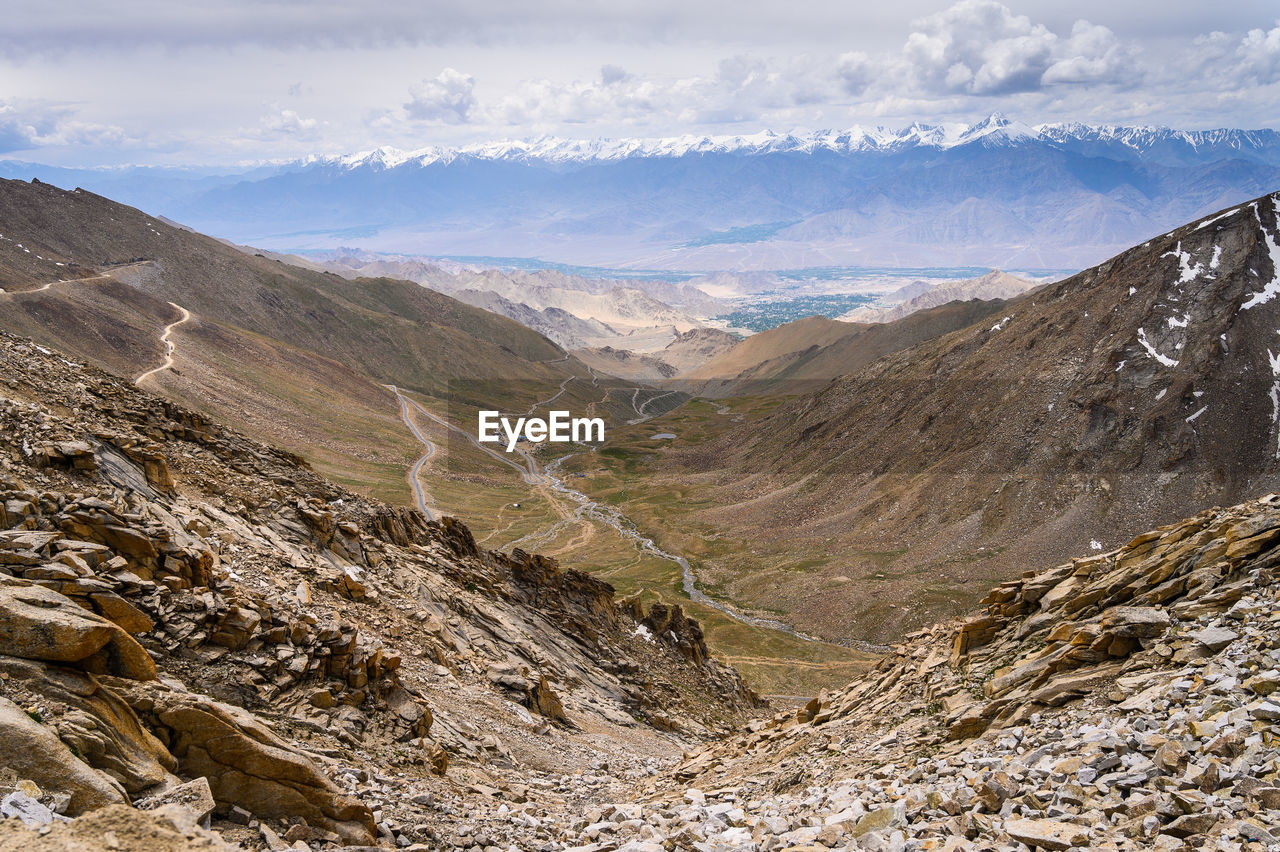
(995, 130)
(998, 193)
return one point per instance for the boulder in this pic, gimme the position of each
(115, 608)
(129, 542)
(1215, 638)
(116, 827)
(237, 628)
(247, 765)
(37, 623)
(544, 701)
(18, 805)
(194, 796)
(1139, 622)
(33, 751)
(96, 722)
(1047, 833)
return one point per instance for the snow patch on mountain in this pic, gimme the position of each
(1272, 288)
(1151, 350)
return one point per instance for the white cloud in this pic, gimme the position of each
(290, 122)
(448, 98)
(610, 74)
(28, 125)
(1092, 54)
(980, 47)
(739, 88)
(1259, 54)
(856, 71)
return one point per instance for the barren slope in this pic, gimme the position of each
(1129, 395)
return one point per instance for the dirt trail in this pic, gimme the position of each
(528, 476)
(550, 399)
(101, 275)
(575, 507)
(168, 344)
(415, 482)
(44, 287)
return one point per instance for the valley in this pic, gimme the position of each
(639, 427)
(1033, 467)
(761, 523)
(527, 500)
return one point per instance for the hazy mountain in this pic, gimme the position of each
(686, 354)
(994, 285)
(996, 194)
(557, 324)
(574, 311)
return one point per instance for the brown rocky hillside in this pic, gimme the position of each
(189, 617)
(1123, 701)
(804, 355)
(296, 357)
(1127, 396)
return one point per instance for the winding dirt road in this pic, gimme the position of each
(168, 344)
(550, 399)
(526, 475)
(44, 287)
(101, 275)
(419, 495)
(574, 506)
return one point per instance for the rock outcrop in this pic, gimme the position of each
(33, 751)
(37, 623)
(1120, 701)
(245, 763)
(182, 606)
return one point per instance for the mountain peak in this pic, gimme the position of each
(995, 130)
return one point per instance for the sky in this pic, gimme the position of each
(168, 82)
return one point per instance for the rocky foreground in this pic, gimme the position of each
(1124, 701)
(204, 645)
(196, 626)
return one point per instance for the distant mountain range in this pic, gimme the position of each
(918, 296)
(1155, 144)
(997, 194)
(573, 311)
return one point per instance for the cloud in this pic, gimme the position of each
(547, 102)
(1259, 55)
(446, 99)
(856, 71)
(16, 133)
(610, 74)
(289, 122)
(353, 78)
(740, 88)
(974, 48)
(980, 47)
(27, 125)
(1092, 54)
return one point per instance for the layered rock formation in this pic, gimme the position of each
(178, 602)
(1122, 701)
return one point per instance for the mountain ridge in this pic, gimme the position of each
(1126, 396)
(995, 129)
(997, 194)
